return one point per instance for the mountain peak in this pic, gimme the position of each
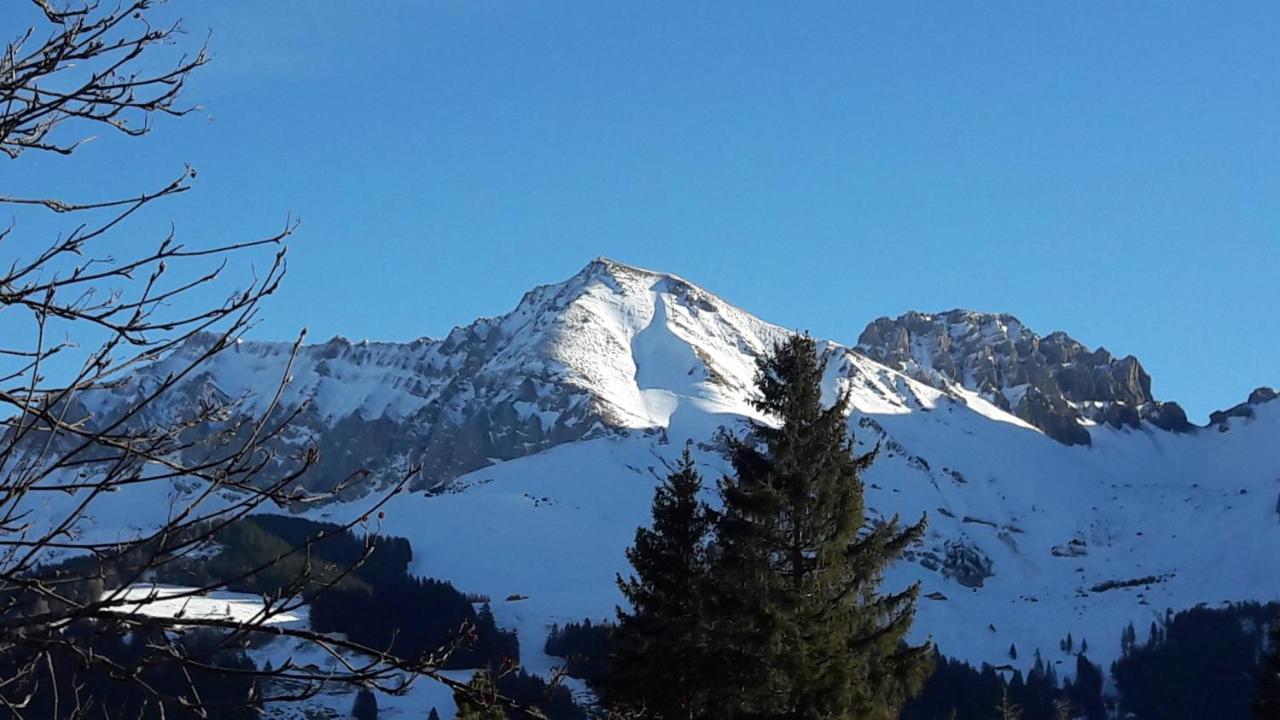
(606, 264)
(612, 328)
(622, 276)
(1054, 382)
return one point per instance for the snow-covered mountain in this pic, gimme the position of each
(1061, 496)
(605, 353)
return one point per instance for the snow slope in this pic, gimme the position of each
(553, 527)
(175, 601)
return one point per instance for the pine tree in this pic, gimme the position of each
(803, 631)
(365, 706)
(660, 645)
(1268, 703)
(1085, 692)
(1128, 639)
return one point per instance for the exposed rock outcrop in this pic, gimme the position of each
(573, 360)
(966, 564)
(1053, 382)
(1245, 409)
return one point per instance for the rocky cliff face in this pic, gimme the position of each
(1053, 382)
(617, 350)
(446, 406)
(601, 353)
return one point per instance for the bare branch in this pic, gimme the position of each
(104, 340)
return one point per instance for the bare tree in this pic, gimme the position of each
(80, 312)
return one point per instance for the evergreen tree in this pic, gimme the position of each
(1085, 692)
(659, 646)
(365, 706)
(586, 648)
(802, 630)
(1128, 639)
(1268, 703)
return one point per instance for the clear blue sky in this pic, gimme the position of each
(1108, 169)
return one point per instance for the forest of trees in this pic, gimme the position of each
(370, 597)
(1202, 662)
(116, 692)
(960, 691)
(412, 617)
(379, 603)
(1267, 704)
(585, 647)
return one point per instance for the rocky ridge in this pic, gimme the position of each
(1053, 382)
(564, 365)
(615, 350)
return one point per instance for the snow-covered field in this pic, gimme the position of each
(553, 528)
(174, 601)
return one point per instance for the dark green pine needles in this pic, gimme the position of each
(661, 647)
(780, 614)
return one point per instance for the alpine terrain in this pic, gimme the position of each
(1061, 496)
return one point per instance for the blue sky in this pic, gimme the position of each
(1112, 170)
